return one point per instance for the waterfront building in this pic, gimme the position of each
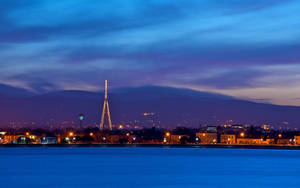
(284, 141)
(255, 141)
(228, 139)
(178, 139)
(114, 139)
(207, 138)
(7, 139)
(119, 139)
(49, 140)
(297, 140)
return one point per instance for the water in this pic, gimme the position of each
(85, 167)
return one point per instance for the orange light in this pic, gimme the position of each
(127, 134)
(27, 133)
(121, 127)
(168, 133)
(203, 134)
(279, 135)
(242, 134)
(71, 134)
(91, 134)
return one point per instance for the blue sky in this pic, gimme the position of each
(248, 49)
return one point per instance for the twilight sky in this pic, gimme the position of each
(248, 49)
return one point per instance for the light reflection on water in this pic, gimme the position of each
(84, 167)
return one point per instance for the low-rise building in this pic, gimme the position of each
(177, 139)
(120, 139)
(207, 138)
(7, 139)
(33, 139)
(49, 140)
(255, 141)
(297, 140)
(228, 139)
(284, 141)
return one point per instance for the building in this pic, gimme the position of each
(207, 138)
(49, 140)
(33, 139)
(228, 139)
(211, 129)
(119, 139)
(2, 137)
(297, 140)
(7, 139)
(113, 139)
(255, 141)
(284, 141)
(177, 139)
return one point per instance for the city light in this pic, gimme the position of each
(32, 137)
(81, 117)
(159, 136)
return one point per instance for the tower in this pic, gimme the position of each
(105, 111)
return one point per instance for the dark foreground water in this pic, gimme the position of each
(85, 167)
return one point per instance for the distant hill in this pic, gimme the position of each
(8, 91)
(170, 107)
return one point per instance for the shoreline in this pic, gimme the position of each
(279, 147)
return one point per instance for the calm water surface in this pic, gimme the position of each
(85, 167)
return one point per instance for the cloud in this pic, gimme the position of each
(50, 45)
(240, 78)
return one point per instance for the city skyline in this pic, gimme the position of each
(149, 93)
(247, 49)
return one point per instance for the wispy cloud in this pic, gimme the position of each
(50, 45)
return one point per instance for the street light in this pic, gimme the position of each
(242, 134)
(165, 140)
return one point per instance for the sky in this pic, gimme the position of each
(248, 49)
